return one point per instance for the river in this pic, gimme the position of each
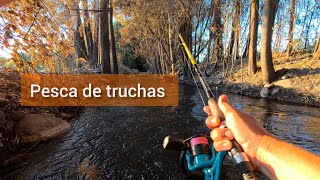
(126, 142)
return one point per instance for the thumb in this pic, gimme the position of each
(224, 105)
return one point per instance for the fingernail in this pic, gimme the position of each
(214, 120)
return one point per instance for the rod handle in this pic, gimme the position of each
(215, 110)
(239, 157)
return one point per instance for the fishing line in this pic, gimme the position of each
(205, 81)
(194, 79)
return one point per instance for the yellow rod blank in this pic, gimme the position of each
(187, 50)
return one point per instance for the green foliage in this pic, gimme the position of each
(133, 62)
(117, 26)
(128, 53)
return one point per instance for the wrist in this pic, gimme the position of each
(262, 154)
(264, 147)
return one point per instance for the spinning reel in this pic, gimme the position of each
(198, 158)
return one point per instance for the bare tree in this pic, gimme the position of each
(246, 49)
(217, 32)
(87, 30)
(268, 72)
(113, 43)
(186, 33)
(309, 24)
(104, 46)
(254, 15)
(234, 40)
(170, 44)
(95, 55)
(291, 23)
(316, 53)
(79, 43)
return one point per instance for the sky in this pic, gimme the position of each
(298, 29)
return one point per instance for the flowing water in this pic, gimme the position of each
(126, 142)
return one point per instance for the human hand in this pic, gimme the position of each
(241, 126)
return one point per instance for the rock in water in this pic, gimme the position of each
(275, 91)
(34, 127)
(264, 92)
(284, 77)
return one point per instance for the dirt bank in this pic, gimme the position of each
(299, 82)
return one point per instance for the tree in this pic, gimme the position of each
(316, 53)
(291, 23)
(246, 50)
(268, 72)
(95, 55)
(186, 33)
(104, 46)
(78, 38)
(87, 30)
(113, 43)
(254, 15)
(234, 40)
(309, 24)
(170, 45)
(217, 32)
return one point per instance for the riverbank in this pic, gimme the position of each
(299, 82)
(21, 127)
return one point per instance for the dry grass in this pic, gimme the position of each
(303, 74)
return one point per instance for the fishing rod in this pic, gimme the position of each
(236, 153)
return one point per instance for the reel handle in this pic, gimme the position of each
(173, 143)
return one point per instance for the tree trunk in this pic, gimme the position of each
(170, 44)
(246, 50)
(95, 55)
(267, 68)
(275, 10)
(233, 43)
(316, 54)
(186, 33)
(87, 30)
(217, 32)
(291, 23)
(254, 15)
(79, 44)
(104, 46)
(113, 42)
(306, 44)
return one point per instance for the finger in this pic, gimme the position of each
(224, 105)
(212, 122)
(223, 145)
(221, 134)
(206, 109)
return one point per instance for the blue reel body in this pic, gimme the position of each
(197, 156)
(210, 165)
